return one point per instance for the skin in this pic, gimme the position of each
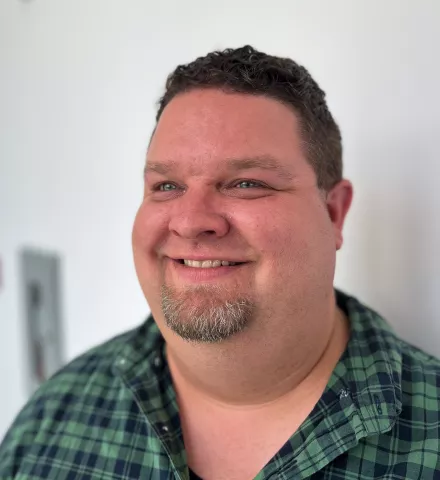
(285, 229)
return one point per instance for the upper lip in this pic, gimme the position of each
(202, 258)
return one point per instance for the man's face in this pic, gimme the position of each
(227, 181)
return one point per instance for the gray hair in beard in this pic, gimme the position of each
(209, 321)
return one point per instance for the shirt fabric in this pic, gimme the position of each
(111, 414)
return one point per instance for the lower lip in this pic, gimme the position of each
(195, 274)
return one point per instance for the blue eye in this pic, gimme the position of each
(166, 187)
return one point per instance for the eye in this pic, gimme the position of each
(165, 187)
(164, 191)
(248, 184)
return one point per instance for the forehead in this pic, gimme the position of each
(207, 126)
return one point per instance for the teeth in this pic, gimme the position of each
(207, 263)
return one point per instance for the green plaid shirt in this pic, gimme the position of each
(112, 414)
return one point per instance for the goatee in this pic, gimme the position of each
(205, 313)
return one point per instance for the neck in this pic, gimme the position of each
(262, 365)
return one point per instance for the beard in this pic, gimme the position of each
(205, 313)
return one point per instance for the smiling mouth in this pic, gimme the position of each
(208, 263)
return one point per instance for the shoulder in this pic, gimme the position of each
(398, 389)
(410, 369)
(385, 365)
(420, 379)
(416, 432)
(94, 367)
(86, 382)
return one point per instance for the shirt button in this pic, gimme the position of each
(157, 361)
(164, 429)
(122, 362)
(343, 393)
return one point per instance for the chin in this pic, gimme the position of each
(205, 313)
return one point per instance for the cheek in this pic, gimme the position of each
(292, 240)
(275, 230)
(148, 232)
(149, 227)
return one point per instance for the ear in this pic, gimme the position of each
(338, 203)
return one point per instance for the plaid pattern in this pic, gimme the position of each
(112, 414)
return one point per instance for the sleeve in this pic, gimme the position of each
(19, 438)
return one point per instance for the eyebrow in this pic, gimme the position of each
(162, 168)
(263, 162)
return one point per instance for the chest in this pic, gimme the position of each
(237, 447)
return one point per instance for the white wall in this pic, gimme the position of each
(78, 82)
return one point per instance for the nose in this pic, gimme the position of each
(195, 218)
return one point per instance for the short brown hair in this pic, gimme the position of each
(246, 70)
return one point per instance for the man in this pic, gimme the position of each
(254, 366)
